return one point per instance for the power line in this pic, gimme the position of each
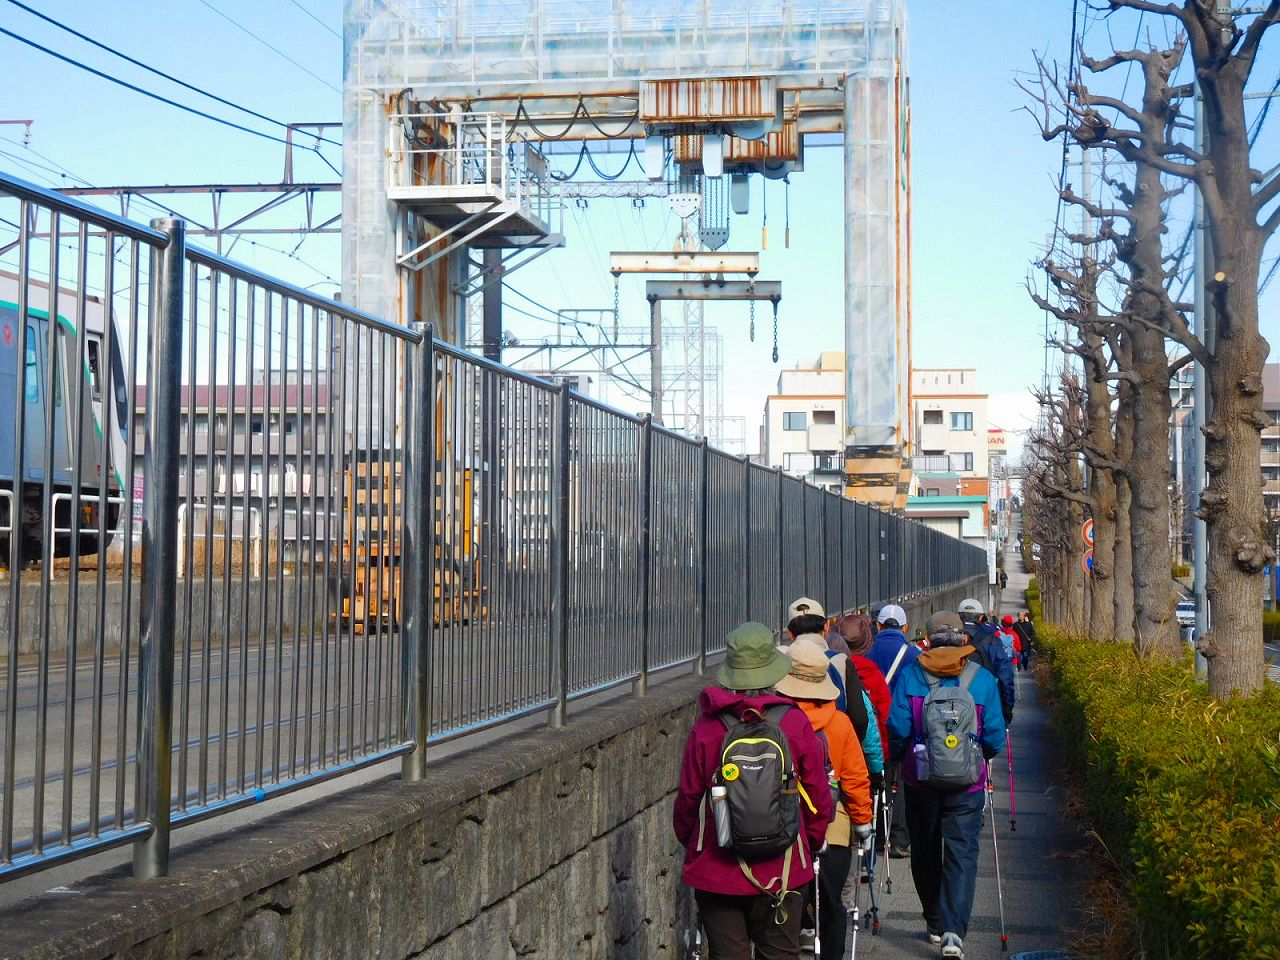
(146, 93)
(316, 19)
(269, 46)
(160, 73)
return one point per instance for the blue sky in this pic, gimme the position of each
(983, 180)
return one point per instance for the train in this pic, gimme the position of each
(51, 422)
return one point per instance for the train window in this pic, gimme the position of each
(33, 368)
(94, 362)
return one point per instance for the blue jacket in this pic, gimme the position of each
(905, 724)
(885, 649)
(986, 641)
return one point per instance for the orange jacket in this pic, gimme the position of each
(849, 766)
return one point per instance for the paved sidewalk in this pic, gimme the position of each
(1042, 881)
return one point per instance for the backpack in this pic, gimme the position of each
(837, 792)
(762, 796)
(952, 754)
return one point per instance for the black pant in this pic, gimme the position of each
(734, 924)
(898, 835)
(833, 918)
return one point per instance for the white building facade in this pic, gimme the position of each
(948, 423)
(804, 422)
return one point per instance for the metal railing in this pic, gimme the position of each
(483, 544)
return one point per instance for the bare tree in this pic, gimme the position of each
(1242, 215)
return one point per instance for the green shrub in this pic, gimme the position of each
(1184, 789)
(1034, 606)
(1181, 571)
(1271, 626)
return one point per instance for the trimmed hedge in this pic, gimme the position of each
(1185, 791)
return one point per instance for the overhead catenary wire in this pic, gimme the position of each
(162, 74)
(316, 19)
(146, 93)
(270, 46)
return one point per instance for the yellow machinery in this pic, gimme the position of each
(371, 549)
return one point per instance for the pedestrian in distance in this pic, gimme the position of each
(945, 723)
(752, 805)
(990, 651)
(1012, 641)
(1004, 579)
(813, 691)
(1027, 631)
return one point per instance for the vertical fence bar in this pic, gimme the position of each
(559, 620)
(781, 605)
(160, 548)
(704, 621)
(420, 550)
(646, 553)
(744, 574)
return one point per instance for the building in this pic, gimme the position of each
(804, 422)
(951, 453)
(248, 457)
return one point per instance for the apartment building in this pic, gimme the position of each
(949, 423)
(804, 422)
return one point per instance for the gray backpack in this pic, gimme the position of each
(952, 755)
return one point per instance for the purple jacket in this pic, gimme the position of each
(706, 865)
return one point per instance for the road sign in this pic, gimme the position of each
(1086, 533)
(1086, 560)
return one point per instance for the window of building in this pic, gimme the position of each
(933, 416)
(933, 492)
(962, 421)
(202, 426)
(824, 416)
(961, 462)
(794, 421)
(257, 425)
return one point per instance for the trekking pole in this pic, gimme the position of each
(995, 850)
(874, 909)
(817, 909)
(1013, 813)
(888, 810)
(855, 916)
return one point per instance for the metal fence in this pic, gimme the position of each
(408, 542)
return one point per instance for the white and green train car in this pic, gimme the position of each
(65, 406)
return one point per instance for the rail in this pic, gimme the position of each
(483, 545)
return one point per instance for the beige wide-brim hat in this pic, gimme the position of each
(808, 678)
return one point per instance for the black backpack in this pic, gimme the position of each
(762, 797)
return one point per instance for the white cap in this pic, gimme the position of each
(804, 607)
(892, 612)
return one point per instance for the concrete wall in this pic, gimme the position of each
(214, 595)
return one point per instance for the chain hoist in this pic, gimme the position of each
(753, 319)
(615, 307)
(775, 330)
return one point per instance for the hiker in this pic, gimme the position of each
(805, 617)
(856, 631)
(1012, 642)
(891, 652)
(1004, 579)
(990, 651)
(748, 889)
(945, 723)
(814, 692)
(1027, 631)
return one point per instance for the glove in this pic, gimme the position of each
(877, 782)
(863, 832)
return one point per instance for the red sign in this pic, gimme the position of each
(1086, 533)
(1086, 561)
(6, 334)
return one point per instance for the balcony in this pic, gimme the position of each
(940, 464)
(825, 437)
(933, 436)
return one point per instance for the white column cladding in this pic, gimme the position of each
(875, 308)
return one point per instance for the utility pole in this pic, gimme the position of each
(1199, 396)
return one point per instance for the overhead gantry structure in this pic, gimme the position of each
(450, 108)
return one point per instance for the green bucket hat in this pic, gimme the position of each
(751, 661)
